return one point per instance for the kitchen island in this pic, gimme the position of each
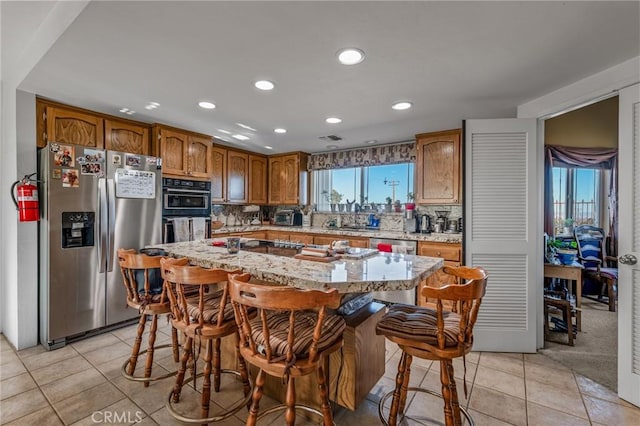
(350, 377)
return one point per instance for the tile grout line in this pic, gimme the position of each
(586, 410)
(44, 395)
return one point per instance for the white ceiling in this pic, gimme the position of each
(453, 60)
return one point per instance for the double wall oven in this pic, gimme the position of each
(186, 204)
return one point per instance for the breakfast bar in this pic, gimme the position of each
(354, 275)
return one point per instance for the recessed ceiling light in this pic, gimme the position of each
(264, 85)
(206, 105)
(402, 105)
(372, 141)
(130, 112)
(226, 132)
(222, 138)
(350, 56)
(268, 147)
(124, 109)
(333, 120)
(240, 137)
(280, 130)
(244, 126)
(332, 146)
(154, 104)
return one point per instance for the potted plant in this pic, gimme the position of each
(387, 207)
(410, 204)
(568, 226)
(398, 206)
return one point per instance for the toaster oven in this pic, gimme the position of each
(287, 218)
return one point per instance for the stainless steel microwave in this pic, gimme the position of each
(182, 197)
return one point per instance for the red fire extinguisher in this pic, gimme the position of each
(27, 202)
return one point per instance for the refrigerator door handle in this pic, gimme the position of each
(112, 222)
(102, 224)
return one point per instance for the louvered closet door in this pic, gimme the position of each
(502, 216)
(629, 245)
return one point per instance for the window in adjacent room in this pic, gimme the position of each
(577, 194)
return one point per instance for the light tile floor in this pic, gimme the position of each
(81, 384)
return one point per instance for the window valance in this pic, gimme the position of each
(372, 156)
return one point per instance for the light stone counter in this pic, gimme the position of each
(439, 238)
(381, 272)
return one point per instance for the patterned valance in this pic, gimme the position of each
(373, 156)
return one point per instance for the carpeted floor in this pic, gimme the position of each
(595, 354)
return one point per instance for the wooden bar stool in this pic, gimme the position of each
(436, 335)
(567, 311)
(291, 338)
(136, 271)
(203, 317)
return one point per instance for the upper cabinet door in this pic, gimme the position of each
(199, 157)
(218, 174)
(238, 168)
(291, 170)
(276, 178)
(257, 180)
(75, 128)
(174, 147)
(438, 167)
(125, 137)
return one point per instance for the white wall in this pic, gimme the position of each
(18, 241)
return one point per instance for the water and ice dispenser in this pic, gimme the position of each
(77, 229)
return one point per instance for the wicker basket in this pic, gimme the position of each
(216, 224)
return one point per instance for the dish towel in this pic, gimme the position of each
(399, 249)
(385, 248)
(198, 228)
(181, 229)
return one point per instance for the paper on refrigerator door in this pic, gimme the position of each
(181, 229)
(198, 227)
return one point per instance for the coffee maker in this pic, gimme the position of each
(423, 224)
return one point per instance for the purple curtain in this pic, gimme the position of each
(602, 158)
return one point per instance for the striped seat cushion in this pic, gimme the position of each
(591, 252)
(278, 322)
(611, 273)
(211, 307)
(419, 324)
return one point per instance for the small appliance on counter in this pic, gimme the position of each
(441, 221)
(423, 224)
(287, 218)
(452, 226)
(409, 221)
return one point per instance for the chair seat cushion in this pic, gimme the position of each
(211, 307)
(278, 322)
(611, 273)
(419, 324)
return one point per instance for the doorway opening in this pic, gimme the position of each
(581, 191)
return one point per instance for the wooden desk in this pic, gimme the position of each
(571, 272)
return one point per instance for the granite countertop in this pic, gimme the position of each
(440, 238)
(381, 272)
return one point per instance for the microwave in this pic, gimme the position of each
(186, 198)
(287, 218)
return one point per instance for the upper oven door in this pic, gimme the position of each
(182, 200)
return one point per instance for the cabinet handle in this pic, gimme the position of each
(44, 137)
(439, 254)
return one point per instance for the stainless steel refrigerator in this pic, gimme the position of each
(93, 202)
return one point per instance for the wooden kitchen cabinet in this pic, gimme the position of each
(438, 170)
(278, 235)
(301, 237)
(183, 153)
(288, 179)
(68, 126)
(359, 242)
(199, 157)
(218, 175)
(452, 255)
(324, 240)
(126, 137)
(237, 177)
(257, 179)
